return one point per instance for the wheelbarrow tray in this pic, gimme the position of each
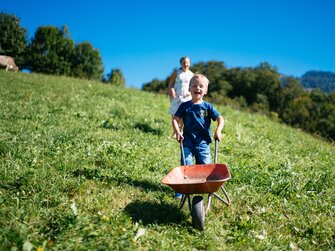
(197, 179)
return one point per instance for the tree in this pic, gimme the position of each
(261, 104)
(241, 80)
(295, 105)
(216, 73)
(86, 62)
(297, 112)
(51, 51)
(318, 99)
(326, 122)
(267, 83)
(156, 85)
(13, 38)
(115, 77)
(291, 89)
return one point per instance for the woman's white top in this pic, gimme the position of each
(181, 88)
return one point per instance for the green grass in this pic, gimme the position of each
(81, 164)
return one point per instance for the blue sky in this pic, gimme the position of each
(145, 39)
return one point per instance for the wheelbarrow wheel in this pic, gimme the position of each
(198, 212)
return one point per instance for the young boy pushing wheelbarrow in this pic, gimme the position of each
(197, 115)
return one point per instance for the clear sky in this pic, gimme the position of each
(145, 39)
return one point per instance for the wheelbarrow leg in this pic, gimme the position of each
(227, 202)
(189, 202)
(183, 199)
(182, 202)
(209, 202)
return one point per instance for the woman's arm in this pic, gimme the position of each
(171, 91)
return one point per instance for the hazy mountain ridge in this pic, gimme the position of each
(324, 80)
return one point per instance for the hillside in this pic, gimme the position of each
(323, 80)
(81, 164)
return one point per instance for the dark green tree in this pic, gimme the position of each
(318, 99)
(216, 72)
(241, 80)
(261, 104)
(260, 86)
(291, 89)
(297, 112)
(86, 62)
(51, 51)
(295, 104)
(326, 121)
(156, 85)
(115, 77)
(267, 84)
(13, 37)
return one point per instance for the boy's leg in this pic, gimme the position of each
(188, 156)
(203, 154)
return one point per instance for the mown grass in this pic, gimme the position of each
(81, 165)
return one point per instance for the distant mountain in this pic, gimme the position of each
(324, 80)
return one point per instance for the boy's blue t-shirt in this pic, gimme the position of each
(197, 120)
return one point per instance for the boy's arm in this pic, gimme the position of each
(175, 125)
(217, 134)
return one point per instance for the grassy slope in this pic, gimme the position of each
(81, 164)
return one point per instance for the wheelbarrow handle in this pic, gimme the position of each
(182, 152)
(216, 151)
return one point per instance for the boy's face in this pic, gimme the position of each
(198, 89)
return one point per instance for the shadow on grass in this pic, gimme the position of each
(94, 174)
(147, 128)
(148, 212)
(145, 185)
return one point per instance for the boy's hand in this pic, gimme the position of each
(179, 137)
(218, 135)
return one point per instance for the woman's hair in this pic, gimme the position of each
(181, 59)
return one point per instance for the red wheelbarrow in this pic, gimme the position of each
(199, 179)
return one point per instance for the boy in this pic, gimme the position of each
(196, 115)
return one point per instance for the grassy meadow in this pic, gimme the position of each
(81, 165)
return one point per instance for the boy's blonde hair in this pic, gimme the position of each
(199, 78)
